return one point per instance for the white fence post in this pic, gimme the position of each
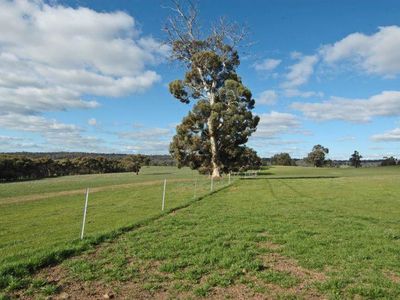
(212, 183)
(195, 188)
(84, 213)
(163, 196)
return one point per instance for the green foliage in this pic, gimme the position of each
(282, 159)
(388, 161)
(234, 124)
(355, 159)
(17, 167)
(317, 155)
(133, 163)
(283, 279)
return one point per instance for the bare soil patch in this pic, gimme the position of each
(393, 276)
(72, 288)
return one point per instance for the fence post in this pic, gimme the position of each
(84, 213)
(163, 196)
(229, 176)
(212, 183)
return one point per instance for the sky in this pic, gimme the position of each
(93, 76)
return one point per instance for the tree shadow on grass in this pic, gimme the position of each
(158, 173)
(265, 173)
(289, 177)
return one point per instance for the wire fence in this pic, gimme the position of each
(31, 228)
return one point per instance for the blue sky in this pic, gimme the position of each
(92, 75)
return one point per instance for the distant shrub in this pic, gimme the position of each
(282, 159)
(389, 161)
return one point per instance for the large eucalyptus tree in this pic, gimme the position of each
(212, 137)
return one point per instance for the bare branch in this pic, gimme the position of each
(185, 38)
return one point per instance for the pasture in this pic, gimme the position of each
(41, 220)
(292, 232)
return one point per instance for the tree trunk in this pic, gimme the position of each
(214, 157)
(214, 151)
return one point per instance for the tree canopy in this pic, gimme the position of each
(317, 155)
(355, 159)
(282, 159)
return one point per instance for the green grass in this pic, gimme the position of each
(39, 231)
(344, 226)
(67, 183)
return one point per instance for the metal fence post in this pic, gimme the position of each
(84, 213)
(163, 197)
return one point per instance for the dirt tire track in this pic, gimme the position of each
(298, 193)
(271, 189)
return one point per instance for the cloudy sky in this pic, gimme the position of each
(92, 75)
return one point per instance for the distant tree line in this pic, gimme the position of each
(155, 160)
(390, 161)
(17, 167)
(29, 166)
(317, 158)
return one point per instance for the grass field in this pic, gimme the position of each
(291, 233)
(41, 220)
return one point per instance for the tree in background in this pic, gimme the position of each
(317, 155)
(282, 159)
(147, 161)
(388, 161)
(355, 159)
(212, 137)
(133, 163)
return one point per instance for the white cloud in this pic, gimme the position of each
(280, 142)
(19, 122)
(33, 100)
(267, 64)
(58, 136)
(57, 54)
(388, 136)
(295, 55)
(346, 138)
(92, 122)
(290, 93)
(54, 58)
(378, 53)
(267, 97)
(300, 72)
(146, 134)
(12, 144)
(275, 123)
(386, 103)
(147, 140)
(149, 147)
